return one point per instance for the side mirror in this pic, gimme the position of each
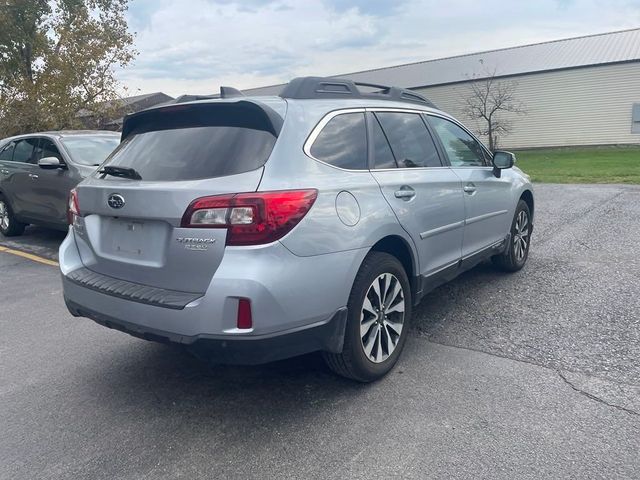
(50, 163)
(501, 160)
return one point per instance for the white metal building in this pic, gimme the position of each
(577, 91)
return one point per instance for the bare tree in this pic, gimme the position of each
(488, 100)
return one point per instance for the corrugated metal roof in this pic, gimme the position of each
(124, 102)
(622, 46)
(144, 96)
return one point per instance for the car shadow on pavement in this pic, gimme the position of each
(168, 377)
(157, 386)
(168, 373)
(165, 377)
(458, 294)
(38, 240)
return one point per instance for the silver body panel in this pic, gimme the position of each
(271, 276)
(434, 217)
(487, 215)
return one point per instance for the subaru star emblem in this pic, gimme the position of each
(116, 200)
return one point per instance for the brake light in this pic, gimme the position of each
(73, 208)
(251, 218)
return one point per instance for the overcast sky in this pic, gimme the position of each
(194, 46)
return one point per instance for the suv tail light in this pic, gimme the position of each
(73, 209)
(251, 218)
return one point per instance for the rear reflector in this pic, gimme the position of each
(251, 218)
(73, 208)
(244, 314)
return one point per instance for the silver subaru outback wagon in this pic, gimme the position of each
(252, 229)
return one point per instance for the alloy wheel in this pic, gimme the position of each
(4, 216)
(521, 236)
(382, 317)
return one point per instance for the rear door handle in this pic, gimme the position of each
(469, 188)
(405, 193)
(33, 175)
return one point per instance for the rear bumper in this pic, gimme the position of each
(249, 350)
(135, 292)
(295, 301)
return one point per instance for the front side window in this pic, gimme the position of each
(462, 149)
(410, 140)
(23, 151)
(45, 149)
(343, 142)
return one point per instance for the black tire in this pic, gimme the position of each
(9, 226)
(515, 256)
(353, 362)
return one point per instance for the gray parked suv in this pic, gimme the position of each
(253, 229)
(38, 170)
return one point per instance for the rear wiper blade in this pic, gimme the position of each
(124, 172)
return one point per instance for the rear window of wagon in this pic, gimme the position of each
(190, 142)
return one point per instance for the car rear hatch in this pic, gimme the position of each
(129, 222)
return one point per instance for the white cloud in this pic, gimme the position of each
(195, 46)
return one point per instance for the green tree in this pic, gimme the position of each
(58, 57)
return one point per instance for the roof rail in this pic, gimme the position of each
(322, 87)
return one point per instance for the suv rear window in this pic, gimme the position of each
(184, 143)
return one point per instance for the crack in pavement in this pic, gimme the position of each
(593, 397)
(477, 350)
(558, 372)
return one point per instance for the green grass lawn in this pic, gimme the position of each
(582, 164)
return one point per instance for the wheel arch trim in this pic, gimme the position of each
(404, 251)
(527, 196)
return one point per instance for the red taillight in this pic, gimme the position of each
(244, 314)
(73, 208)
(251, 218)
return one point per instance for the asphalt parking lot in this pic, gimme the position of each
(530, 375)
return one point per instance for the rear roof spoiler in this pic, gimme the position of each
(225, 92)
(242, 113)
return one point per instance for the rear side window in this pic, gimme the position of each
(190, 142)
(410, 140)
(343, 142)
(23, 151)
